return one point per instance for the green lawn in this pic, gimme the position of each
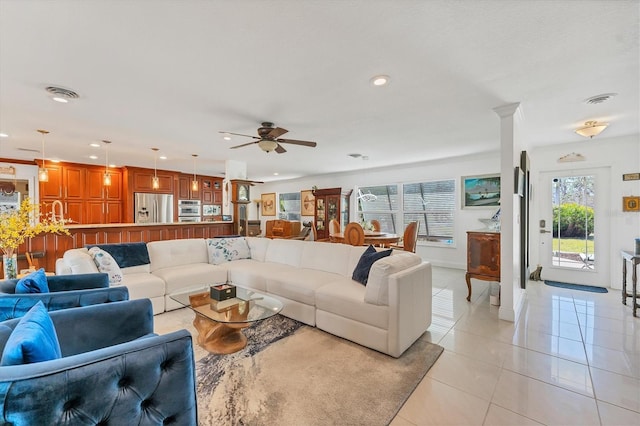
(569, 245)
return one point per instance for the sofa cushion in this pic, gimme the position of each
(33, 340)
(107, 264)
(368, 258)
(35, 282)
(126, 254)
(169, 253)
(299, 284)
(80, 261)
(327, 257)
(258, 247)
(253, 274)
(136, 269)
(287, 252)
(345, 298)
(194, 275)
(223, 250)
(143, 285)
(378, 285)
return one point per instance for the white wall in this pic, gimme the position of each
(621, 155)
(465, 219)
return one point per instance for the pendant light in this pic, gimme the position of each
(194, 182)
(106, 180)
(155, 182)
(43, 173)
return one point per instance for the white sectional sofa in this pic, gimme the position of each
(312, 279)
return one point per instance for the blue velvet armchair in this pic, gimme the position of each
(113, 370)
(66, 291)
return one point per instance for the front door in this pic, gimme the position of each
(574, 228)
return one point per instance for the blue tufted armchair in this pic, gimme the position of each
(113, 370)
(66, 291)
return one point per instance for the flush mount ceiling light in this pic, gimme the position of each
(60, 94)
(43, 173)
(380, 80)
(591, 129)
(4, 135)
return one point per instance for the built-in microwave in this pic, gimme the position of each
(189, 219)
(188, 208)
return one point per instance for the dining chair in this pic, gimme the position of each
(334, 226)
(409, 238)
(376, 225)
(354, 234)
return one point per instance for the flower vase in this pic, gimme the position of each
(10, 266)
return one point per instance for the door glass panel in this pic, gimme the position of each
(573, 202)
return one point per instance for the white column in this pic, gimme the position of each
(511, 295)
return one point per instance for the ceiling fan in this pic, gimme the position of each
(268, 139)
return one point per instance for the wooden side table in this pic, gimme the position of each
(634, 259)
(483, 257)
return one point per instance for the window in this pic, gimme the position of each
(380, 203)
(289, 206)
(432, 205)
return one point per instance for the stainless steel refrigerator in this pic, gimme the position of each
(153, 208)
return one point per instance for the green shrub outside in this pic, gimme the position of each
(572, 220)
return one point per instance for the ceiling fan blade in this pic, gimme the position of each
(277, 132)
(244, 144)
(280, 150)
(296, 142)
(239, 134)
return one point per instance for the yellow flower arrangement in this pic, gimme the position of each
(18, 225)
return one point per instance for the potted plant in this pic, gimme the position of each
(18, 225)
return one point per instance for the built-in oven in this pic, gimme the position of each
(188, 208)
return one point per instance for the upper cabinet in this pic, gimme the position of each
(53, 187)
(142, 181)
(185, 190)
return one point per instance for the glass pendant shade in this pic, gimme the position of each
(43, 173)
(106, 179)
(194, 182)
(155, 182)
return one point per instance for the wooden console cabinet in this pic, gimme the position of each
(483, 257)
(330, 203)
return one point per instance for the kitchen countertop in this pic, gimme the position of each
(120, 225)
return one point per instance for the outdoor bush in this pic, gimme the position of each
(572, 220)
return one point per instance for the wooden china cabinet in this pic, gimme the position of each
(483, 257)
(330, 203)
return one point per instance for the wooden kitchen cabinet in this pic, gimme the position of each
(53, 187)
(483, 257)
(185, 192)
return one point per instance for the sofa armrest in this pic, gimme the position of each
(145, 381)
(77, 282)
(98, 326)
(17, 305)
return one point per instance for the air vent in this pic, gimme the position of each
(28, 150)
(62, 92)
(598, 99)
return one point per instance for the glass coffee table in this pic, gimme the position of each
(220, 324)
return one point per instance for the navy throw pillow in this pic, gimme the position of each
(126, 254)
(370, 255)
(35, 282)
(33, 340)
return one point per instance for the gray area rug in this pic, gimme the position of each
(293, 374)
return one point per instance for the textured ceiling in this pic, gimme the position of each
(172, 74)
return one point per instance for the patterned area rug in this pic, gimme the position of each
(293, 374)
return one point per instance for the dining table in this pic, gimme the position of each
(376, 238)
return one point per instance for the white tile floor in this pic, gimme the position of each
(572, 358)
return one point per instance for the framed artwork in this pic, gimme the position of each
(631, 176)
(631, 204)
(268, 202)
(307, 201)
(481, 191)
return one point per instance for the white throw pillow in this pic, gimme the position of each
(105, 263)
(80, 261)
(223, 250)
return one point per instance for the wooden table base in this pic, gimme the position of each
(219, 338)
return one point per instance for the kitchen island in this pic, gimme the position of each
(53, 246)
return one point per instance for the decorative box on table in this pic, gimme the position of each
(223, 292)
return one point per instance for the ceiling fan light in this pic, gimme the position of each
(591, 129)
(267, 145)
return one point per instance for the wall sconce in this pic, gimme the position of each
(43, 173)
(106, 180)
(155, 182)
(591, 129)
(194, 182)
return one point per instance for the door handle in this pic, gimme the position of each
(544, 231)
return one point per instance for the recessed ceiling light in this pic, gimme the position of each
(276, 174)
(163, 157)
(227, 137)
(380, 80)
(93, 157)
(4, 135)
(54, 161)
(61, 100)
(95, 145)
